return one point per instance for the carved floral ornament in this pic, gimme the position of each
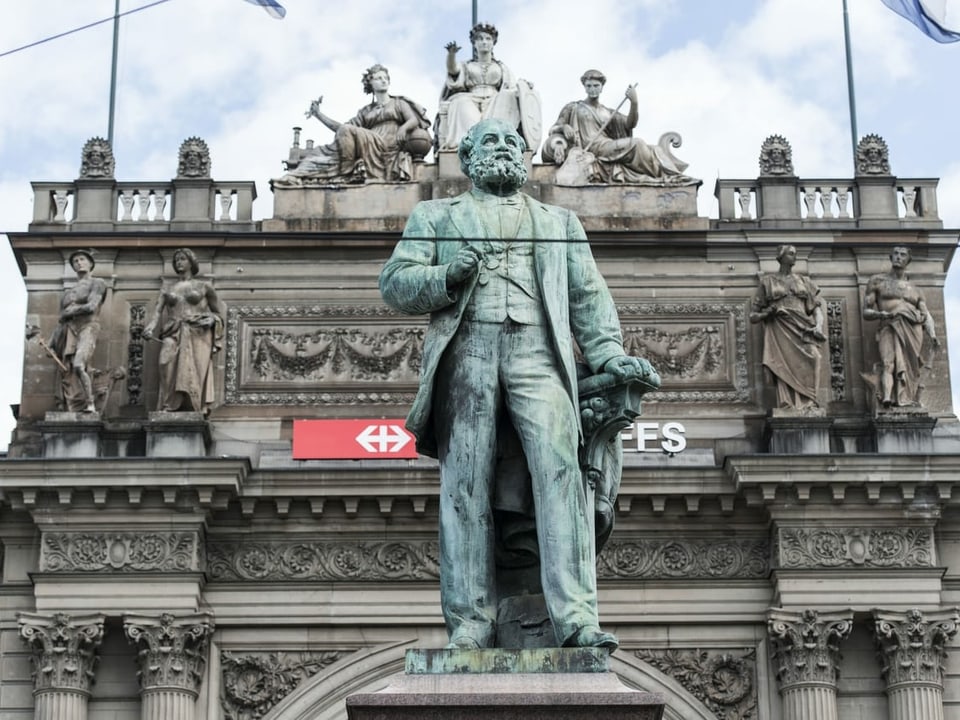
(855, 547)
(64, 649)
(121, 552)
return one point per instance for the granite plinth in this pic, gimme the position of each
(456, 684)
(799, 434)
(177, 434)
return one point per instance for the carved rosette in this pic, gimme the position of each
(873, 157)
(121, 552)
(806, 645)
(253, 683)
(855, 547)
(686, 558)
(172, 651)
(776, 156)
(64, 649)
(724, 681)
(912, 645)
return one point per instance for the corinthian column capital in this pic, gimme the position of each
(64, 649)
(171, 650)
(912, 644)
(806, 645)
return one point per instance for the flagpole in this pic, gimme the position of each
(113, 70)
(474, 23)
(850, 92)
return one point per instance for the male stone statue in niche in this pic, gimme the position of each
(75, 337)
(510, 284)
(904, 319)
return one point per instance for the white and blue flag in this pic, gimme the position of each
(938, 19)
(275, 9)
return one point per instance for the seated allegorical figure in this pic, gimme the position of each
(379, 143)
(594, 144)
(483, 87)
(188, 323)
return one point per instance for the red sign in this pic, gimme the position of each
(351, 440)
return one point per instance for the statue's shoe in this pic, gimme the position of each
(463, 642)
(593, 637)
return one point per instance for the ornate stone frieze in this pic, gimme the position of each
(912, 644)
(323, 560)
(171, 651)
(836, 334)
(873, 157)
(776, 156)
(806, 645)
(699, 349)
(855, 547)
(96, 159)
(121, 552)
(254, 682)
(320, 354)
(684, 558)
(138, 314)
(723, 680)
(64, 649)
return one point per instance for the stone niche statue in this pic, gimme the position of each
(483, 87)
(776, 157)
(594, 144)
(188, 323)
(193, 159)
(906, 336)
(379, 143)
(498, 396)
(789, 306)
(96, 159)
(75, 338)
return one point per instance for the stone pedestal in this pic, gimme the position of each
(71, 434)
(541, 684)
(177, 434)
(903, 432)
(799, 434)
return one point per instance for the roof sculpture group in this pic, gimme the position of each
(589, 142)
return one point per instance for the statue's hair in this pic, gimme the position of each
(782, 250)
(593, 75)
(465, 149)
(484, 28)
(368, 76)
(86, 253)
(190, 256)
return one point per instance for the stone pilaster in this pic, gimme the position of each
(806, 658)
(912, 649)
(64, 655)
(172, 654)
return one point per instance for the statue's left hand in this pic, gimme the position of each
(629, 366)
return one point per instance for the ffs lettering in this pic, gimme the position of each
(654, 438)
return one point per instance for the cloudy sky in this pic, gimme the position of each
(723, 74)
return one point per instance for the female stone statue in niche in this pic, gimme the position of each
(379, 143)
(789, 306)
(484, 87)
(188, 316)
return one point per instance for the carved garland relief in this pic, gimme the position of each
(347, 354)
(120, 552)
(855, 547)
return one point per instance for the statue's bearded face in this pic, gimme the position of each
(496, 159)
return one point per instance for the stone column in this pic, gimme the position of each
(912, 654)
(806, 658)
(64, 655)
(172, 655)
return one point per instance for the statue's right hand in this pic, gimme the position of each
(314, 110)
(147, 334)
(463, 265)
(452, 47)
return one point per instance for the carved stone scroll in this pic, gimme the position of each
(855, 547)
(683, 557)
(126, 552)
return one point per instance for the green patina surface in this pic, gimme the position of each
(541, 660)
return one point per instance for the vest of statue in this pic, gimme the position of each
(507, 285)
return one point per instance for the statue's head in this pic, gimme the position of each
(77, 254)
(486, 29)
(185, 255)
(369, 77)
(593, 82)
(491, 155)
(786, 251)
(900, 256)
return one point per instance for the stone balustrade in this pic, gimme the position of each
(860, 201)
(105, 204)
